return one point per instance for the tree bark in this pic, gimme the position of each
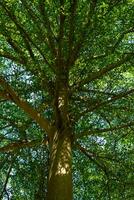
(60, 171)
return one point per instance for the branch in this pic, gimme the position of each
(35, 18)
(104, 157)
(46, 22)
(96, 75)
(98, 163)
(11, 57)
(23, 32)
(104, 103)
(94, 91)
(112, 49)
(105, 130)
(4, 95)
(17, 49)
(87, 25)
(120, 39)
(72, 28)
(9, 121)
(25, 63)
(7, 178)
(113, 98)
(22, 144)
(62, 20)
(35, 115)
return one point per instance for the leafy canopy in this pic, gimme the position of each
(93, 42)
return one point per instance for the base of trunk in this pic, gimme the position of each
(60, 173)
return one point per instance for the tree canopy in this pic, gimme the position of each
(66, 67)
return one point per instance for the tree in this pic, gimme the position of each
(66, 87)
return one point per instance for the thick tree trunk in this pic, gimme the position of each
(60, 173)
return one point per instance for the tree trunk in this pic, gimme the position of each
(60, 173)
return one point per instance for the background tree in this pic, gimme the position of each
(66, 90)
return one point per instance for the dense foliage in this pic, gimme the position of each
(91, 41)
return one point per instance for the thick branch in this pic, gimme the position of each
(35, 115)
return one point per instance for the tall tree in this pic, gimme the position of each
(66, 84)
